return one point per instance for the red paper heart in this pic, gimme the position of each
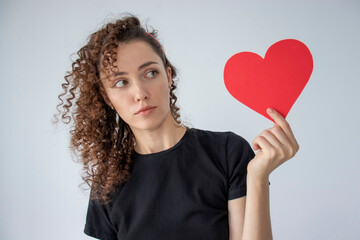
(275, 81)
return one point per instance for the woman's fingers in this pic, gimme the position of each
(280, 134)
(269, 135)
(271, 146)
(285, 127)
(280, 121)
(276, 145)
(262, 143)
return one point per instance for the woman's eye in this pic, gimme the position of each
(120, 83)
(152, 74)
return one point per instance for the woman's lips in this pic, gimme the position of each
(147, 111)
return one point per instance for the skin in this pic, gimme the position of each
(249, 216)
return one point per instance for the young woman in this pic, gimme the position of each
(151, 177)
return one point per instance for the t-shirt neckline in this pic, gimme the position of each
(157, 154)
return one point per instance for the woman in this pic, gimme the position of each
(151, 177)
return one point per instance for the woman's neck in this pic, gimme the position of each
(159, 139)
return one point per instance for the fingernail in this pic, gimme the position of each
(269, 110)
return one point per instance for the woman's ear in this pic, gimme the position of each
(169, 73)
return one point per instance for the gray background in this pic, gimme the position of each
(313, 196)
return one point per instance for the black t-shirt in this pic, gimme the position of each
(179, 193)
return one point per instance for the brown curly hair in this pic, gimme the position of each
(104, 142)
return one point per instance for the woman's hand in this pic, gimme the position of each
(275, 145)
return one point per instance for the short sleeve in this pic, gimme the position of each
(98, 224)
(239, 154)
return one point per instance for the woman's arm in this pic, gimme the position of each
(255, 209)
(236, 213)
(275, 146)
(257, 224)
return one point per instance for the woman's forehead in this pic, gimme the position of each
(131, 56)
(135, 51)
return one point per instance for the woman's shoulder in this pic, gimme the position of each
(216, 136)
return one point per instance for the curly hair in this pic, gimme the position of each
(104, 142)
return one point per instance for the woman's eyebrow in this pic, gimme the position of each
(146, 64)
(115, 74)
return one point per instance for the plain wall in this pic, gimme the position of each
(315, 195)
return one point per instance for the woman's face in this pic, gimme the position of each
(141, 80)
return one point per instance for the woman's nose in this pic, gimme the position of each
(140, 92)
